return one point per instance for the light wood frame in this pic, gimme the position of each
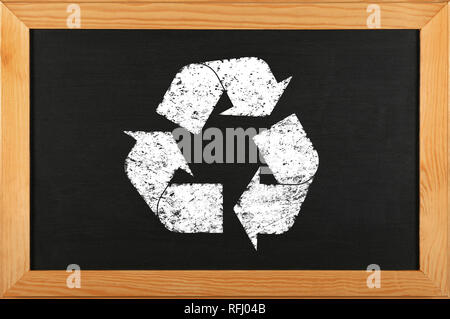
(18, 16)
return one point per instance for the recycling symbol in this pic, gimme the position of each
(198, 208)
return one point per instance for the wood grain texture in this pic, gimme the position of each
(433, 149)
(14, 150)
(225, 15)
(224, 1)
(230, 283)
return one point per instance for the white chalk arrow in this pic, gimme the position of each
(192, 208)
(288, 152)
(250, 85)
(269, 209)
(152, 162)
(290, 155)
(186, 208)
(196, 89)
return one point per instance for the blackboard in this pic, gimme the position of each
(355, 93)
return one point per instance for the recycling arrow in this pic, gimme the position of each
(196, 89)
(250, 85)
(290, 155)
(184, 208)
(269, 209)
(189, 101)
(288, 152)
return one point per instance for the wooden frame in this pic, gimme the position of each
(18, 16)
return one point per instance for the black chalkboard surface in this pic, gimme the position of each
(355, 93)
